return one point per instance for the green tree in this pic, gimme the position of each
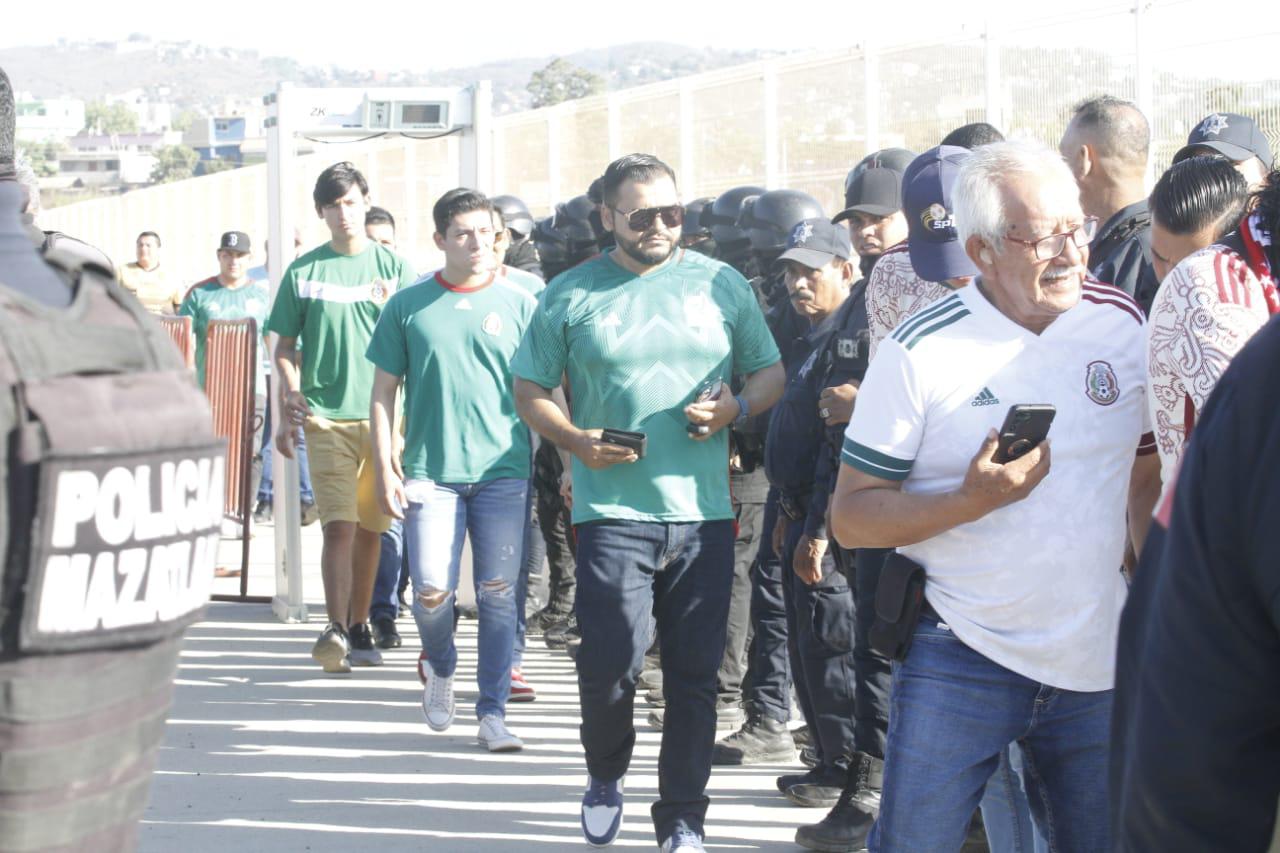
(217, 164)
(44, 156)
(109, 118)
(174, 163)
(562, 81)
(184, 119)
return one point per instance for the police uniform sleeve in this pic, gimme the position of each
(884, 434)
(287, 313)
(815, 522)
(387, 348)
(753, 345)
(544, 350)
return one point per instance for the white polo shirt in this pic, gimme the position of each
(1034, 586)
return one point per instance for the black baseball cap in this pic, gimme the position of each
(236, 241)
(927, 201)
(815, 243)
(875, 184)
(1232, 135)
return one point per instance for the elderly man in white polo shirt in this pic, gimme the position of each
(1016, 639)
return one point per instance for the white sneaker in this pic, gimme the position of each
(437, 701)
(495, 737)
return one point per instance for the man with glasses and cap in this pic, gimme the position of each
(1022, 592)
(1236, 137)
(648, 336)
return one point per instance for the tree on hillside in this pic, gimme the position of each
(185, 119)
(109, 118)
(174, 163)
(562, 81)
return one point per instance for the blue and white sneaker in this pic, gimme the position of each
(682, 841)
(601, 812)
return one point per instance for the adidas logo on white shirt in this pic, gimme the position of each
(985, 398)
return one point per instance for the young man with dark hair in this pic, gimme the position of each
(972, 136)
(648, 335)
(1208, 306)
(145, 278)
(450, 339)
(1106, 145)
(1194, 205)
(330, 298)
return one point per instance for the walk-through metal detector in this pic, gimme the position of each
(347, 115)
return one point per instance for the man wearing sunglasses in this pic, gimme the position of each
(642, 333)
(1016, 637)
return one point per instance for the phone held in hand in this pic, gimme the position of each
(635, 441)
(1025, 426)
(707, 391)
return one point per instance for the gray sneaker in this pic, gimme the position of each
(363, 651)
(331, 650)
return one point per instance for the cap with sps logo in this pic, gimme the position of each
(236, 241)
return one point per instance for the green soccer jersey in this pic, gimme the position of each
(331, 302)
(209, 300)
(453, 346)
(637, 349)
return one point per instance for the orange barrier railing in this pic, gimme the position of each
(230, 360)
(179, 328)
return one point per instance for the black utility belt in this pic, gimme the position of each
(794, 505)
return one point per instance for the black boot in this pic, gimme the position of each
(846, 826)
(761, 740)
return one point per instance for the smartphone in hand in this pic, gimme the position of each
(1025, 426)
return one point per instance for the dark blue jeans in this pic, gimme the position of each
(769, 689)
(679, 574)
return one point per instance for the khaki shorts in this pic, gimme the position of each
(342, 475)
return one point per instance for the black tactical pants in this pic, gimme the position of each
(733, 669)
(871, 669)
(770, 664)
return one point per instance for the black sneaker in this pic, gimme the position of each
(544, 619)
(262, 512)
(363, 651)
(809, 757)
(761, 740)
(573, 642)
(332, 648)
(825, 777)
(385, 634)
(554, 637)
(310, 515)
(846, 826)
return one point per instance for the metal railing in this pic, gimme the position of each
(179, 329)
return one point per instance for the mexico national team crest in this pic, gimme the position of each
(379, 292)
(1100, 383)
(492, 324)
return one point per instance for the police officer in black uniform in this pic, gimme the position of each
(523, 252)
(696, 235)
(752, 243)
(818, 274)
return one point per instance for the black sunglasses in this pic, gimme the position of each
(641, 219)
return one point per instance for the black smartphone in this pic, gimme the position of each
(708, 391)
(636, 441)
(1025, 426)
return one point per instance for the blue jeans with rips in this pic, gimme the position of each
(439, 515)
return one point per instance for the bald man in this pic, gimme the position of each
(1106, 145)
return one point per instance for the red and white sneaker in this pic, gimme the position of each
(521, 691)
(422, 667)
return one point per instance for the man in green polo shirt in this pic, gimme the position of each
(329, 300)
(648, 336)
(466, 459)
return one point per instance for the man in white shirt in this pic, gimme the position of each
(1017, 638)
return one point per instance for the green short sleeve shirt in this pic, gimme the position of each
(209, 300)
(454, 346)
(636, 350)
(331, 302)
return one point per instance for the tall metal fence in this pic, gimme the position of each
(800, 121)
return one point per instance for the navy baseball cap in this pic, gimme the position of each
(874, 186)
(927, 201)
(236, 241)
(815, 243)
(1232, 135)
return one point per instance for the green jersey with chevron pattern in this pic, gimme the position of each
(636, 350)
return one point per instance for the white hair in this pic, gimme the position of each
(978, 191)
(28, 181)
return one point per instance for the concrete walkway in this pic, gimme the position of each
(266, 752)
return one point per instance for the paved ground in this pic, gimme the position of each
(264, 751)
